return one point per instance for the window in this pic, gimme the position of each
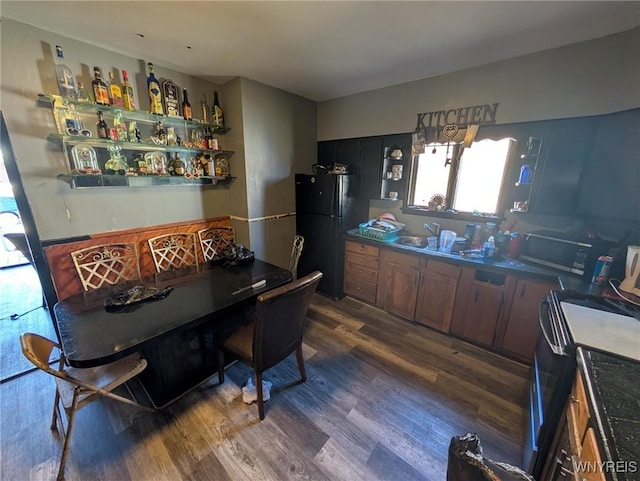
(464, 180)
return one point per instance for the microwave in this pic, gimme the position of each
(563, 252)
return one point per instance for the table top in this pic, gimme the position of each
(91, 336)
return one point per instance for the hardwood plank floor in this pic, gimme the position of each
(382, 400)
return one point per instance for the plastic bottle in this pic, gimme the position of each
(488, 249)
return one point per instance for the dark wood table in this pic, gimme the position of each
(177, 335)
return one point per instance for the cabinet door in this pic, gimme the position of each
(480, 304)
(370, 167)
(398, 283)
(437, 295)
(327, 152)
(348, 153)
(610, 185)
(402, 290)
(590, 456)
(522, 329)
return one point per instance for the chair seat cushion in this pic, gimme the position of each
(241, 342)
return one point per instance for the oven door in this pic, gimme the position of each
(549, 385)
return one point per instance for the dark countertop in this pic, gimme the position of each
(613, 388)
(501, 263)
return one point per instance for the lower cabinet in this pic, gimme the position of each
(361, 264)
(480, 305)
(437, 295)
(398, 282)
(518, 339)
(575, 453)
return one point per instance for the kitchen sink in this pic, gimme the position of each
(412, 240)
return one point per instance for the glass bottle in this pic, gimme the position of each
(128, 102)
(186, 106)
(217, 119)
(64, 77)
(155, 96)
(102, 127)
(205, 109)
(179, 167)
(100, 91)
(83, 95)
(171, 136)
(115, 91)
(119, 125)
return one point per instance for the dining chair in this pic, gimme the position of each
(75, 387)
(173, 251)
(214, 239)
(298, 243)
(274, 332)
(106, 264)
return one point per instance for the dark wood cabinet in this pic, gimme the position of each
(437, 295)
(343, 151)
(370, 167)
(398, 283)
(519, 336)
(480, 305)
(610, 184)
(361, 265)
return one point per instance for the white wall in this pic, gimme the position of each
(27, 69)
(594, 77)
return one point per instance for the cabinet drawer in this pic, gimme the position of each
(362, 248)
(408, 260)
(368, 273)
(360, 288)
(362, 260)
(443, 268)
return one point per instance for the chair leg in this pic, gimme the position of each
(260, 395)
(54, 417)
(303, 373)
(220, 366)
(67, 437)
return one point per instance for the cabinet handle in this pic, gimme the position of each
(477, 294)
(575, 399)
(361, 248)
(523, 290)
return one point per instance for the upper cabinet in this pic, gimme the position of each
(107, 146)
(610, 182)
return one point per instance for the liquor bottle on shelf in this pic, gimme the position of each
(155, 94)
(217, 119)
(205, 109)
(115, 91)
(64, 77)
(128, 102)
(102, 127)
(100, 91)
(119, 126)
(83, 95)
(186, 106)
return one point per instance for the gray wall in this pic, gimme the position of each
(272, 131)
(588, 78)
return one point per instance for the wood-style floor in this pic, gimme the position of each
(382, 401)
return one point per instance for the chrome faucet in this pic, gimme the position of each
(435, 230)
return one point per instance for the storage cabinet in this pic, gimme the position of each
(398, 283)
(437, 295)
(480, 305)
(91, 159)
(575, 453)
(361, 266)
(519, 336)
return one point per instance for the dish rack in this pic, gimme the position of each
(379, 234)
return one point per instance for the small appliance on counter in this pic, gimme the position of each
(565, 252)
(631, 282)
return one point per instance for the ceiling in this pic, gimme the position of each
(323, 50)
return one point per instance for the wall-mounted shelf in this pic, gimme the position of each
(134, 143)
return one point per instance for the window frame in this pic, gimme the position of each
(493, 132)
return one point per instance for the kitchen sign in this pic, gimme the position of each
(461, 117)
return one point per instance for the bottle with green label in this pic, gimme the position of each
(217, 119)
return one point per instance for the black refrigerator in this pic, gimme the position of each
(326, 207)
